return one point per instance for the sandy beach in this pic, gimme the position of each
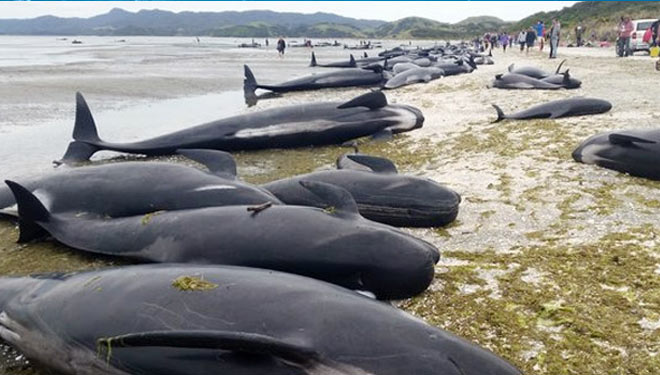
(552, 264)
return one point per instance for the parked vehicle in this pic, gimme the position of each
(636, 39)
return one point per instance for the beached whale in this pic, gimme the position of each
(633, 151)
(402, 67)
(414, 75)
(532, 71)
(137, 188)
(564, 80)
(335, 243)
(559, 108)
(460, 66)
(338, 64)
(381, 195)
(521, 81)
(340, 78)
(292, 126)
(366, 60)
(210, 320)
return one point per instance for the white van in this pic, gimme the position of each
(636, 43)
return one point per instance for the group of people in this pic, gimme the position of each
(525, 38)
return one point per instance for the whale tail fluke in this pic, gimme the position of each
(500, 114)
(313, 62)
(30, 212)
(77, 152)
(84, 128)
(85, 135)
(250, 86)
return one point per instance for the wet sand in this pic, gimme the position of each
(552, 264)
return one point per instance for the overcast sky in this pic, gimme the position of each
(444, 11)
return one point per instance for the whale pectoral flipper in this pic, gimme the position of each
(625, 139)
(382, 135)
(335, 199)
(218, 162)
(371, 100)
(376, 164)
(221, 340)
(30, 211)
(559, 66)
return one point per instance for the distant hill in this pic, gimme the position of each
(258, 24)
(598, 17)
(158, 22)
(416, 27)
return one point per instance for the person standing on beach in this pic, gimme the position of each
(281, 46)
(530, 37)
(540, 33)
(504, 41)
(522, 38)
(655, 38)
(579, 30)
(626, 28)
(554, 38)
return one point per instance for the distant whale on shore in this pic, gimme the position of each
(338, 64)
(285, 127)
(558, 108)
(351, 77)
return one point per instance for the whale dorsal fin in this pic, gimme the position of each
(352, 62)
(626, 139)
(511, 68)
(335, 199)
(243, 342)
(371, 100)
(219, 163)
(376, 164)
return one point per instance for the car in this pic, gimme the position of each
(636, 42)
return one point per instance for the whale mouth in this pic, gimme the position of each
(432, 215)
(7, 333)
(408, 118)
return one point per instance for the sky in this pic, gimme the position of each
(443, 11)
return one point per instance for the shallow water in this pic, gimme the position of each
(551, 264)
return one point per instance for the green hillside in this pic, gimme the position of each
(598, 17)
(422, 28)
